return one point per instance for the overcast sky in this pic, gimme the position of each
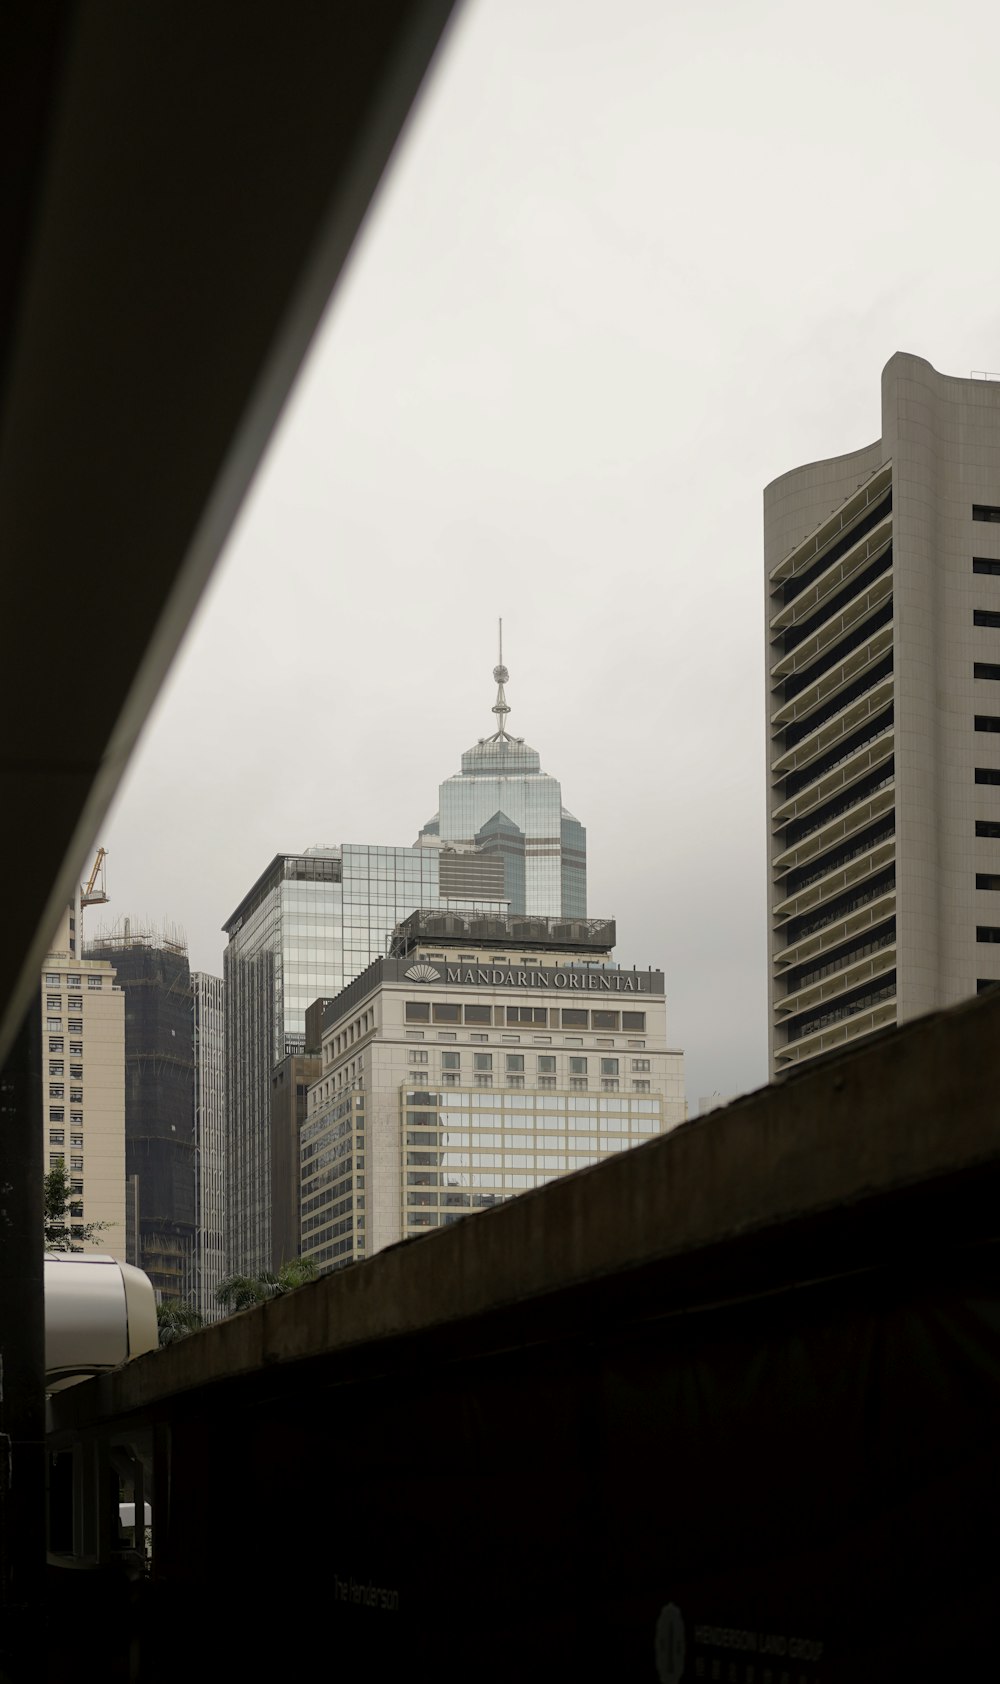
(632, 261)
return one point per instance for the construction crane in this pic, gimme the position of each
(90, 895)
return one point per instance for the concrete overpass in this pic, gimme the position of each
(736, 1390)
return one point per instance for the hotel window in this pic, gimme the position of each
(515, 1081)
(641, 1087)
(483, 1081)
(634, 1020)
(478, 1037)
(511, 1040)
(573, 1018)
(640, 1064)
(447, 1035)
(985, 511)
(449, 1078)
(515, 1061)
(75, 1049)
(528, 1014)
(604, 1020)
(609, 1084)
(479, 1014)
(451, 1060)
(56, 1159)
(546, 1064)
(578, 1084)
(76, 1140)
(482, 1061)
(578, 1066)
(447, 1014)
(985, 564)
(411, 1035)
(985, 617)
(984, 880)
(418, 1011)
(546, 1081)
(418, 1057)
(609, 1067)
(985, 669)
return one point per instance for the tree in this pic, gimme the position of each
(239, 1292)
(64, 1229)
(175, 1319)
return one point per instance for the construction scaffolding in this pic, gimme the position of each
(151, 967)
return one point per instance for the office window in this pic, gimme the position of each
(985, 511)
(515, 1061)
(988, 827)
(546, 1081)
(479, 1014)
(634, 1020)
(578, 1066)
(57, 1137)
(478, 1037)
(987, 932)
(982, 984)
(56, 1067)
(985, 617)
(984, 564)
(987, 722)
(985, 669)
(528, 1014)
(987, 775)
(483, 1081)
(515, 1081)
(447, 1035)
(482, 1061)
(95, 982)
(417, 1056)
(609, 1084)
(546, 1063)
(451, 1060)
(574, 1018)
(52, 981)
(447, 1013)
(578, 1084)
(418, 1011)
(641, 1087)
(604, 1020)
(640, 1064)
(985, 880)
(53, 1003)
(609, 1067)
(449, 1078)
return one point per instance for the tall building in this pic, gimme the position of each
(483, 1057)
(83, 1042)
(504, 805)
(153, 971)
(309, 924)
(209, 1142)
(883, 630)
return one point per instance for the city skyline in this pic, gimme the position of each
(558, 399)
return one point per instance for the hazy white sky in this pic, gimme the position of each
(632, 261)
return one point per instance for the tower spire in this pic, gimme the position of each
(500, 677)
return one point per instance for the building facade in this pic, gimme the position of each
(883, 708)
(502, 804)
(290, 1084)
(83, 1084)
(153, 972)
(311, 923)
(207, 1004)
(482, 1058)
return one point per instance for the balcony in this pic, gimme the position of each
(839, 829)
(835, 882)
(835, 729)
(834, 934)
(828, 532)
(846, 772)
(852, 976)
(840, 572)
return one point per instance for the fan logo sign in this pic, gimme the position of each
(563, 978)
(733, 1653)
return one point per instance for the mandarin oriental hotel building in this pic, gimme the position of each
(483, 1057)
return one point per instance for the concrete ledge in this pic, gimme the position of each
(915, 1108)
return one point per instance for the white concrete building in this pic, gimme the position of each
(209, 1142)
(83, 1086)
(883, 632)
(484, 1057)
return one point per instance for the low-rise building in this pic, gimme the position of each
(483, 1056)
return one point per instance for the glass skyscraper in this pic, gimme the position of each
(502, 803)
(309, 925)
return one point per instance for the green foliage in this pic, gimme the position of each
(239, 1292)
(63, 1231)
(176, 1319)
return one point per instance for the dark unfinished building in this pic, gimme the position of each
(153, 971)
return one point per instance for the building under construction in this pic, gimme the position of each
(152, 969)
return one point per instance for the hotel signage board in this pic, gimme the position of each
(549, 979)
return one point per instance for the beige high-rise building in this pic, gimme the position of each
(883, 708)
(484, 1056)
(83, 1085)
